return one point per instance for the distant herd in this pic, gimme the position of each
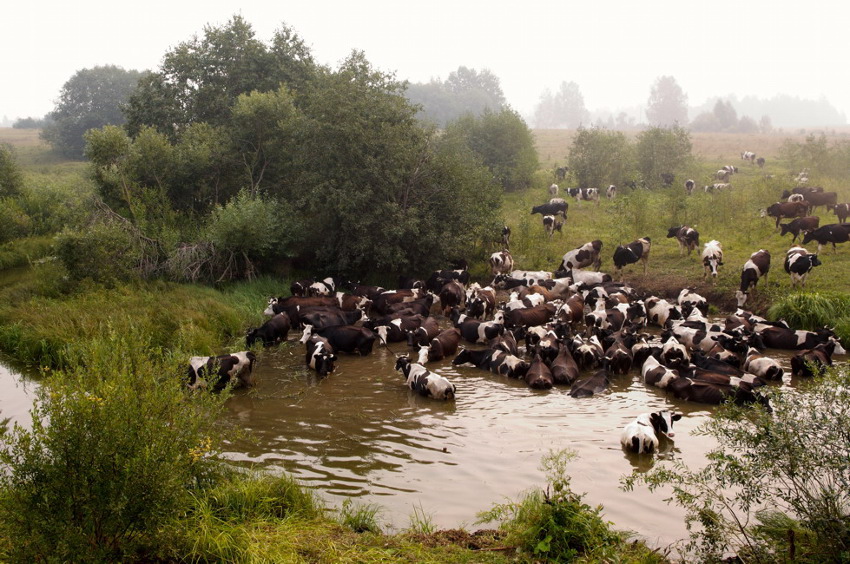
(574, 327)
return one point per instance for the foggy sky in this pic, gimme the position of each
(613, 50)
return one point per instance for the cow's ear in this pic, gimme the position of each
(676, 417)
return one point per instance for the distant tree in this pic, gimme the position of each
(660, 150)
(667, 104)
(726, 116)
(599, 157)
(503, 142)
(201, 79)
(705, 122)
(747, 125)
(11, 177)
(29, 123)
(765, 124)
(90, 99)
(465, 91)
(565, 109)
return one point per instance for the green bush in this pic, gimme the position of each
(114, 449)
(11, 177)
(777, 487)
(14, 223)
(104, 253)
(815, 310)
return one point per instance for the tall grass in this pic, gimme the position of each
(815, 310)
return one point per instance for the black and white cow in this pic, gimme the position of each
(712, 258)
(755, 268)
(659, 311)
(441, 346)
(635, 251)
(798, 263)
(555, 206)
(586, 255)
(641, 435)
(552, 224)
(716, 187)
(501, 262)
(506, 237)
(764, 367)
(842, 211)
(690, 300)
(689, 186)
(722, 175)
(495, 360)
(833, 233)
(345, 338)
(778, 337)
(320, 355)
(687, 237)
(586, 194)
(611, 192)
(236, 367)
(674, 354)
(272, 332)
(325, 287)
(424, 382)
(748, 156)
(656, 374)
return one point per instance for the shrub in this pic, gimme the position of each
(104, 253)
(360, 517)
(14, 223)
(778, 485)
(11, 177)
(814, 310)
(114, 448)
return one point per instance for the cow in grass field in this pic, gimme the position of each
(501, 262)
(712, 258)
(755, 268)
(633, 252)
(687, 237)
(798, 263)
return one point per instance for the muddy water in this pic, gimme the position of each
(361, 433)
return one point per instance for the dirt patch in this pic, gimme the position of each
(482, 539)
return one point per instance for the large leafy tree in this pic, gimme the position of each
(661, 151)
(564, 109)
(90, 99)
(667, 104)
(465, 91)
(599, 157)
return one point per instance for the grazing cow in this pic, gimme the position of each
(424, 382)
(667, 178)
(441, 346)
(812, 362)
(539, 376)
(832, 233)
(641, 435)
(800, 225)
(795, 198)
(501, 262)
(748, 156)
(798, 263)
(760, 161)
(840, 210)
(689, 186)
(561, 172)
(582, 257)
(552, 224)
(553, 189)
(272, 332)
(762, 366)
(757, 266)
(781, 210)
(712, 257)
(687, 237)
(344, 338)
(731, 168)
(564, 367)
(723, 175)
(559, 206)
(236, 367)
(591, 385)
(611, 191)
(320, 355)
(716, 187)
(324, 287)
(804, 190)
(635, 251)
(816, 199)
(586, 194)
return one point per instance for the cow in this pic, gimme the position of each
(345, 338)
(795, 198)
(501, 262)
(611, 191)
(441, 346)
(800, 225)
(422, 335)
(798, 263)
(559, 206)
(816, 199)
(712, 258)
(272, 332)
(235, 367)
(506, 237)
(589, 353)
(591, 385)
(641, 435)
(722, 175)
(299, 287)
(760, 161)
(586, 194)
(748, 156)
(812, 362)
(619, 357)
(358, 289)
(383, 302)
(552, 224)
(324, 287)
(452, 294)
(635, 251)
(396, 330)
(689, 186)
(480, 302)
(731, 168)
(572, 310)
(840, 210)
(781, 210)
(320, 318)
(833, 233)
(656, 374)
(350, 302)
(475, 330)
(539, 376)
(439, 278)
(586, 255)
(561, 172)
(777, 337)
(292, 304)
(674, 354)
(755, 268)
(424, 382)
(687, 237)
(564, 368)
(530, 316)
(553, 189)
(496, 361)
(320, 355)
(667, 178)
(690, 300)
(803, 190)
(716, 187)
(762, 366)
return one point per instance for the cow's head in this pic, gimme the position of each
(741, 297)
(402, 364)
(251, 336)
(662, 422)
(322, 360)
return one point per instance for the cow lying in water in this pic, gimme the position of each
(424, 382)
(641, 435)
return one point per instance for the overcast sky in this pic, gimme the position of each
(614, 50)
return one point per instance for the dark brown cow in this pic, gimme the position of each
(816, 199)
(564, 368)
(538, 375)
(781, 210)
(529, 316)
(441, 346)
(812, 362)
(800, 225)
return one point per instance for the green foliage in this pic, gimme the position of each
(90, 99)
(21, 252)
(599, 157)
(14, 223)
(778, 484)
(818, 155)
(103, 252)
(660, 150)
(815, 310)
(421, 522)
(11, 177)
(108, 462)
(504, 144)
(465, 91)
(360, 517)
(555, 524)
(54, 202)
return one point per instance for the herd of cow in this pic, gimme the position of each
(575, 327)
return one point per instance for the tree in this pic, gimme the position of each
(727, 117)
(667, 104)
(465, 91)
(565, 109)
(661, 150)
(11, 177)
(90, 99)
(503, 142)
(599, 157)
